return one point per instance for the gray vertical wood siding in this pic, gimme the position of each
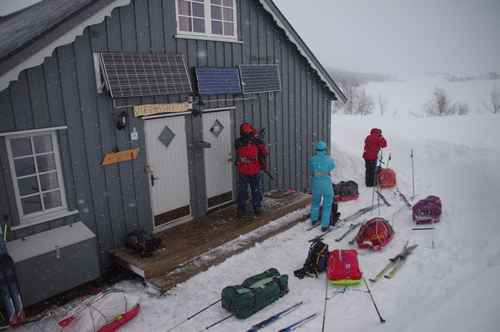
(114, 200)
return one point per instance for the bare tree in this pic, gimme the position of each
(381, 104)
(494, 102)
(358, 101)
(363, 104)
(349, 93)
(440, 104)
(461, 108)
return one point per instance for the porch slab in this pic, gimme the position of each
(194, 246)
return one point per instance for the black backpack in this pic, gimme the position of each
(316, 260)
(334, 216)
(141, 243)
(346, 188)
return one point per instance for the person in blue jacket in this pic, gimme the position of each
(321, 165)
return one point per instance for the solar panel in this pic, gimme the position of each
(218, 80)
(260, 78)
(144, 74)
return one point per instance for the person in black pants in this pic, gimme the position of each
(373, 143)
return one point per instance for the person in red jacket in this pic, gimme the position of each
(251, 153)
(373, 143)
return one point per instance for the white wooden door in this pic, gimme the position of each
(218, 164)
(167, 162)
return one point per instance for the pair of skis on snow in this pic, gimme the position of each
(398, 193)
(281, 314)
(395, 263)
(256, 327)
(352, 217)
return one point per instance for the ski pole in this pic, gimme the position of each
(388, 160)
(373, 301)
(351, 228)
(274, 317)
(324, 305)
(194, 315)
(299, 323)
(433, 246)
(412, 174)
(217, 322)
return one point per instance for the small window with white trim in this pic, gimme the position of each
(211, 19)
(36, 174)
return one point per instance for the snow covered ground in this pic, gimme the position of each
(451, 287)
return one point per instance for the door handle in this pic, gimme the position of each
(202, 145)
(153, 179)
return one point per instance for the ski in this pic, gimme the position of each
(341, 222)
(382, 197)
(351, 228)
(298, 323)
(351, 217)
(217, 322)
(274, 318)
(320, 237)
(395, 268)
(382, 272)
(403, 198)
(359, 213)
(193, 315)
(313, 226)
(393, 262)
(399, 260)
(10, 294)
(354, 239)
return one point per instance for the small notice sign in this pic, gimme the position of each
(117, 157)
(151, 109)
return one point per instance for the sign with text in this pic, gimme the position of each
(152, 109)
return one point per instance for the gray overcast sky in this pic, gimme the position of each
(400, 36)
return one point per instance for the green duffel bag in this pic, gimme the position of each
(254, 293)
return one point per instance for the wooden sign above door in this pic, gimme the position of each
(117, 157)
(151, 109)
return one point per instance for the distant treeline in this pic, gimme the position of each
(352, 79)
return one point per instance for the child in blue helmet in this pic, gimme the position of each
(321, 166)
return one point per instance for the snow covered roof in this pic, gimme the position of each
(294, 37)
(22, 27)
(12, 6)
(31, 34)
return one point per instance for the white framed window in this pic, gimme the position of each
(207, 19)
(36, 173)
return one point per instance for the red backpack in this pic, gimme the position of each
(248, 158)
(346, 191)
(343, 267)
(386, 178)
(427, 210)
(375, 234)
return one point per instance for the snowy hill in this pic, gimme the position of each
(449, 286)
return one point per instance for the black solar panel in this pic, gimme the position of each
(218, 80)
(144, 74)
(260, 78)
